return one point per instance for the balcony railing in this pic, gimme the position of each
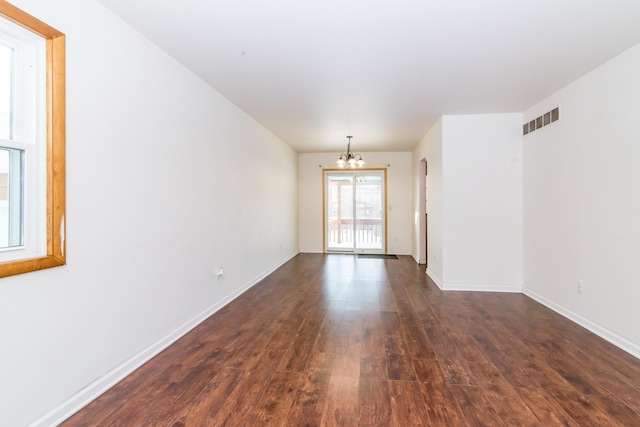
(367, 233)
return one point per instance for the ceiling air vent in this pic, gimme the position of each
(543, 120)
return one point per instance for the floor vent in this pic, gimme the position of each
(542, 121)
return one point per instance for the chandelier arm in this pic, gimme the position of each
(352, 159)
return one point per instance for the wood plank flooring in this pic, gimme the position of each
(332, 340)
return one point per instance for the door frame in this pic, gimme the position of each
(422, 229)
(324, 207)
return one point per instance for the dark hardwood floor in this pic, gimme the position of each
(336, 340)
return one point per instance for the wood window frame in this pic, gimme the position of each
(55, 145)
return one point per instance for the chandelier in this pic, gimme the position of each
(350, 159)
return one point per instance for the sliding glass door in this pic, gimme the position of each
(354, 211)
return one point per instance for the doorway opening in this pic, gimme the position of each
(354, 211)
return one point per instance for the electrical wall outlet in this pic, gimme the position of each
(220, 272)
(580, 286)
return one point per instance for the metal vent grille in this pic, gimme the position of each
(542, 121)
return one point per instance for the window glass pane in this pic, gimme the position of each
(32, 140)
(11, 197)
(6, 67)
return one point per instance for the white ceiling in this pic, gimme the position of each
(314, 71)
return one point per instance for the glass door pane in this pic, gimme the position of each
(354, 211)
(369, 233)
(339, 189)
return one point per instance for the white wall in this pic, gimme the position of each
(156, 202)
(399, 219)
(582, 202)
(474, 202)
(429, 148)
(482, 202)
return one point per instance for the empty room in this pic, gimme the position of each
(325, 213)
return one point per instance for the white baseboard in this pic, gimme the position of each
(417, 258)
(320, 251)
(90, 392)
(435, 278)
(83, 397)
(473, 288)
(603, 333)
(483, 288)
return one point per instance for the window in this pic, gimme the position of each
(32, 143)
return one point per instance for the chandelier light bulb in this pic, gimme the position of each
(349, 158)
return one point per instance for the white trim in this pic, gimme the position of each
(407, 253)
(615, 339)
(94, 389)
(320, 251)
(434, 278)
(28, 84)
(473, 288)
(422, 211)
(415, 258)
(483, 288)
